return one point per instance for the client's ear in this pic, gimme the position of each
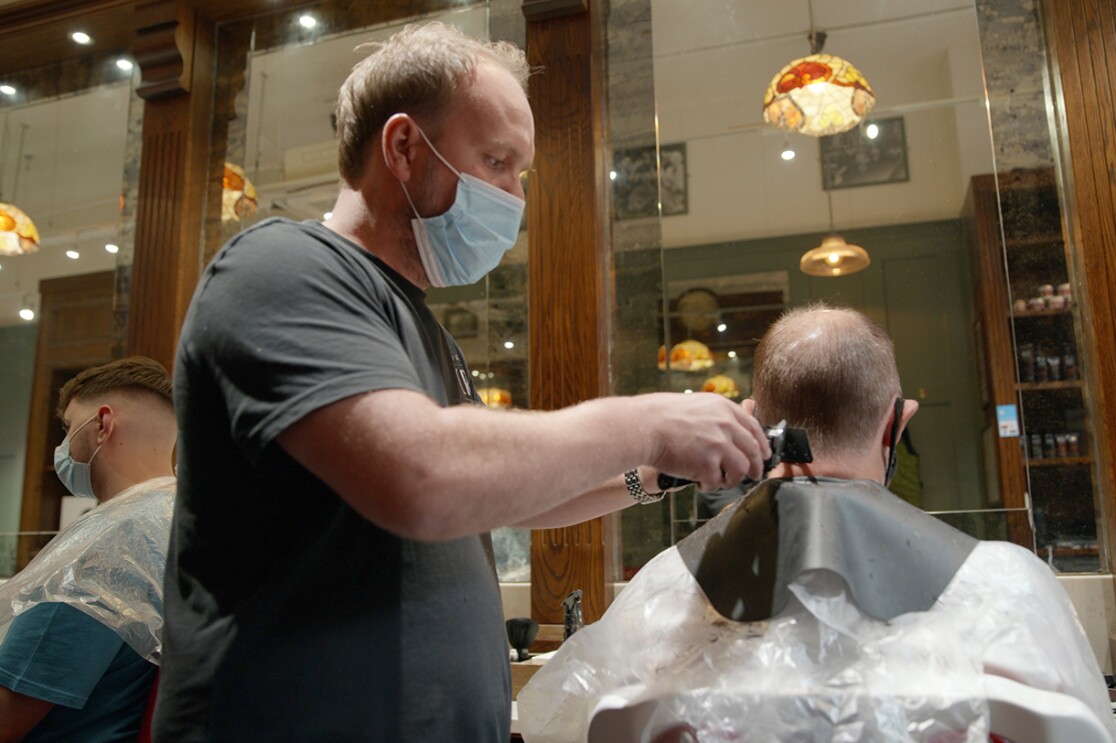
(749, 406)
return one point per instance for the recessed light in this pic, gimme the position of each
(872, 131)
(112, 248)
(509, 345)
(7, 89)
(722, 328)
(732, 354)
(81, 37)
(787, 154)
(27, 314)
(125, 64)
(73, 255)
(307, 21)
(327, 215)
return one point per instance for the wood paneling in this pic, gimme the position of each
(993, 333)
(172, 181)
(568, 274)
(1082, 34)
(75, 331)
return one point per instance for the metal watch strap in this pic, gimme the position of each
(635, 489)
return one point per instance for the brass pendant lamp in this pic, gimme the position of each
(834, 257)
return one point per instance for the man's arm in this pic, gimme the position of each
(433, 473)
(19, 713)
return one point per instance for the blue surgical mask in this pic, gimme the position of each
(76, 476)
(461, 246)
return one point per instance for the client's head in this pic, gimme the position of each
(831, 371)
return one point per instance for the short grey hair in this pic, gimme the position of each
(830, 371)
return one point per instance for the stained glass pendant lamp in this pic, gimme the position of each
(834, 257)
(18, 235)
(817, 95)
(238, 195)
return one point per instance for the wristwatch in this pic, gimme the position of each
(635, 489)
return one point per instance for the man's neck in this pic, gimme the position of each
(390, 240)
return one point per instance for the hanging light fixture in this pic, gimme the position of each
(817, 95)
(834, 257)
(238, 195)
(18, 234)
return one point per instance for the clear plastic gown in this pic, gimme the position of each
(108, 564)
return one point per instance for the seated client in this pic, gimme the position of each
(80, 626)
(821, 606)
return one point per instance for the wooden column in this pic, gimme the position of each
(568, 271)
(174, 47)
(1082, 34)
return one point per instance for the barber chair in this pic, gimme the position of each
(1017, 714)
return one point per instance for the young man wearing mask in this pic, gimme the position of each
(325, 449)
(83, 620)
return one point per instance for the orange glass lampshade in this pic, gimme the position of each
(834, 257)
(817, 95)
(18, 235)
(238, 195)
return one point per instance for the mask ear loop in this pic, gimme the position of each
(892, 459)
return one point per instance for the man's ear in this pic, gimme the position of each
(399, 140)
(910, 407)
(106, 422)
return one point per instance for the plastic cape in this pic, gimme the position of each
(108, 564)
(821, 668)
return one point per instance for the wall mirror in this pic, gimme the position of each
(274, 154)
(69, 161)
(949, 184)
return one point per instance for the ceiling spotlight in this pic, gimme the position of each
(872, 131)
(307, 21)
(73, 255)
(81, 37)
(27, 314)
(327, 215)
(722, 328)
(7, 89)
(125, 64)
(612, 175)
(732, 354)
(509, 345)
(112, 248)
(787, 154)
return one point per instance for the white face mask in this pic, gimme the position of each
(76, 476)
(459, 247)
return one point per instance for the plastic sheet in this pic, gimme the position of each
(109, 564)
(822, 669)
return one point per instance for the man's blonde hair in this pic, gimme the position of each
(416, 72)
(131, 375)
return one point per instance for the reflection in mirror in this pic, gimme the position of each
(714, 211)
(69, 160)
(275, 155)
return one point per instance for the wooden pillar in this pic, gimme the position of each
(1082, 37)
(568, 271)
(174, 47)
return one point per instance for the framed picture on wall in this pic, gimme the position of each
(636, 187)
(873, 153)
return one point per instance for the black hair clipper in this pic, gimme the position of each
(787, 445)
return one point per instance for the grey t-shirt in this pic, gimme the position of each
(289, 616)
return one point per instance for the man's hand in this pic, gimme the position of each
(706, 438)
